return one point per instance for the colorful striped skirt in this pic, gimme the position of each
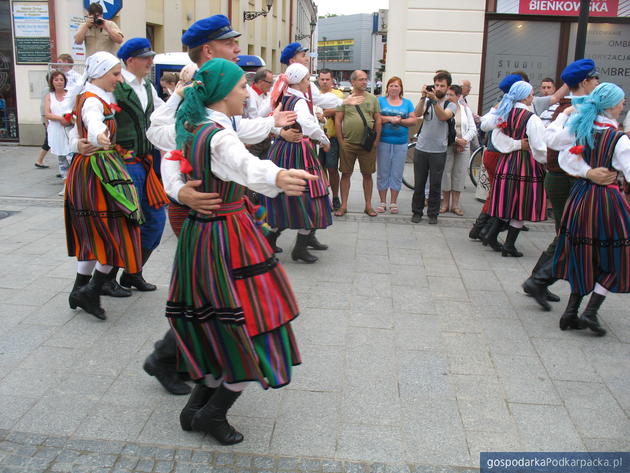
(230, 302)
(311, 210)
(102, 212)
(518, 190)
(594, 239)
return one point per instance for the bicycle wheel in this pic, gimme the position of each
(408, 178)
(474, 165)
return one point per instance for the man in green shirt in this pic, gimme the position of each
(350, 129)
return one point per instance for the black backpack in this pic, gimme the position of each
(452, 134)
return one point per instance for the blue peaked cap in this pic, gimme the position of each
(209, 29)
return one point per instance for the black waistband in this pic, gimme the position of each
(255, 269)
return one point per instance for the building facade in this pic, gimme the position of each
(483, 40)
(34, 33)
(346, 43)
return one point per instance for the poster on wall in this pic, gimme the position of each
(78, 50)
(606, 8)
(32, 34)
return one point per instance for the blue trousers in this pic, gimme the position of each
(390, 163)
(155, 219)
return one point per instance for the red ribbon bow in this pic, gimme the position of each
(576, 149)
(115, 107)
(502, 125)
(184, 164)
(68, 117)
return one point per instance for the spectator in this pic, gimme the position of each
(396, 118)
(168, 82)
(466, 89)
(187, 72)
(99, 34)
(457, 153)
(430, 153)
(258, 92)
(39, 162)
(547, 87)
(330, 158)
(350, 126)
(54, 110)
(72, 76)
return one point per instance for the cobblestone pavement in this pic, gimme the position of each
(419, 351)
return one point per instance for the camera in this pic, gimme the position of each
(99, 21)
(430, 88)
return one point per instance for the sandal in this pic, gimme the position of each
(443, 209)
(382, 207)
(370, 212)
(393, 208)
(457, 211)
(340, 212)
(41, 166)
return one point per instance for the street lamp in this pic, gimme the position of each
(300, 37)
(250, 15)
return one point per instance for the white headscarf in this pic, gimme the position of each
(296, 72)
(96, 65)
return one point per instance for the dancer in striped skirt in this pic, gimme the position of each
(593, 251)
(102, 208)
(312, 210)
(518, 193)
(230, 304)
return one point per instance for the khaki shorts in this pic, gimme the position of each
(350, 152)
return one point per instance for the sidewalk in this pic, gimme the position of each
(419, 351)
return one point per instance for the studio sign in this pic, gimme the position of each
(565, 7)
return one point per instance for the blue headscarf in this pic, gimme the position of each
(520, 90)
(605, 96)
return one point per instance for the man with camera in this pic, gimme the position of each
(99, 34)
(430, 153)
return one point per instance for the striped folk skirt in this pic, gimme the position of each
(594, 239)
(518, 190)
(230, 302)
(102, 212)
(311, 210)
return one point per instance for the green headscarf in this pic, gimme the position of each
(212, 82)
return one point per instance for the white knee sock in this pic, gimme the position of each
(236, 387)
(85, 267)
(212, 382)
(104, 268)
(304, 232)
(601, 290)
(516, 223)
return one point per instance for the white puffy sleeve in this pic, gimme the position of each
(172, 178)
(573, 164)
(503, 143)
(232, 162)
(93, 119)
(73, 139)
(309, 124)
(251, 108)
(252, 131)
(489, 121)
(556, 135)
(471, 131)
(536, 136)
(161, 132)
(327, 100)
(621, 156)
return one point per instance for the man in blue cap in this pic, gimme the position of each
(206, 39)
(581, 78)
(296, 53)
(136, 97)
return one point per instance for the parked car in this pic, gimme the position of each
(345, 86)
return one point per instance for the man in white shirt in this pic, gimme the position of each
(258, 92)
(136, 99)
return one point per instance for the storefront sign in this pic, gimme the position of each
(78, 50)
(32, 35)
(337, 42)
(567, 7)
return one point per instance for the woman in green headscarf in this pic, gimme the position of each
(230, 304)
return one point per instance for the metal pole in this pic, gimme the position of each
(580, 42)
(373, 56)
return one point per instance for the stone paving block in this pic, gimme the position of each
(321, 326)
(378, 406)
(409, 276)
(321, 368)
(371, 247)
(53, 415)
(424, 375)
(400, 256)
(450, 288)
(13, 407)
(487, 415)
(145, 465)
(77, 383)
(546, 428)
(440, 267)
(525, 380)
(114, 422)
(606, 445)
(257, 432)
(370, 318)
(413, 300)
(477, 280)
(493, 297)
(21, 340)
(471, 364)
(126, 462)
(475, 387)
(417, 332)
(375, 303)
(261, 463)
(162, 428)
(564, 360)
(432, 430)
(47, 358)
(505, 441)
(373, 264)
(257, 402)
(136, 389)
(369, 443)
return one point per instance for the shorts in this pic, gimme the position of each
(350, 152)
(330, 159)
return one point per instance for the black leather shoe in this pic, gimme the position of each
(88, 297)
(300, 250)
(136, 280)
(508, 247)
(272, 238)
(589, 316)
(314, 243)
(481, 221)
(570, 317)
(167, 376)
(199, 397)
(432, 220)
(416, 218)
(551, 297)
(113, 289)
(336, 203)
(212, 417)
(537, 292)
